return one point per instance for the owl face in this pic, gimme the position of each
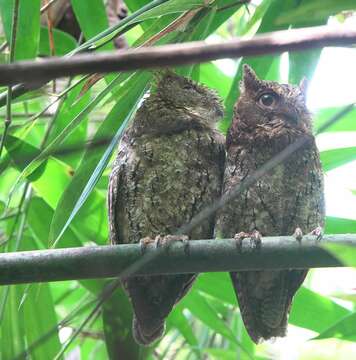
(183, 93)
(267, 103)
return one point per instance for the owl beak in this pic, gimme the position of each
(290, 114)
(292, 117)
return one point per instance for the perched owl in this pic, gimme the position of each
(169, 166)
(289, 199)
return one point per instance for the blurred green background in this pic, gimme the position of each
(60, 200)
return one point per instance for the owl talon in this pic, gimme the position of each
(318, 232)
(166, 241)
(185, 241)
(256, 239)
(239, 237)
(159, 241)
(298, 234)
(144, 242)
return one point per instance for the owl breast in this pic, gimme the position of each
(289, 196)
(164, 181)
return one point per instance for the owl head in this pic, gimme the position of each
(189, 96)
(265, 105)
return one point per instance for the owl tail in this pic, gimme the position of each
(146, 335)
(152, 299)
(265, 299)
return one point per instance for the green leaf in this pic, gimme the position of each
(170, 7)
(225, 354)
(21, 153)
(117, 324)
(334, 225)
(315, 312)
(315, 10)
(344, 253)
(41, 326)
(213, 77)
(346, 123)
(305, 309)
(178, 321)
(92, 19)
(12, 330)
(39, 218)
(63, 42)
(91, 222)
(334, 158)
(121, 27)
(217, 285)
(303, 63)
(72, 125)
(345, 329)
(28, 26)
(71, 105)
(95, 160)
(199, 307)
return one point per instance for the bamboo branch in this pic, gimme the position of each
(282, 252)
(175, 54)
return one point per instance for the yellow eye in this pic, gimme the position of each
(268, 99)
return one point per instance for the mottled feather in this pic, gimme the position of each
(169, 166)
(268, 117)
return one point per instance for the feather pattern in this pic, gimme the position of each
(268, 117)
(169, 166)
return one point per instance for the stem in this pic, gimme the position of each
(11, 59)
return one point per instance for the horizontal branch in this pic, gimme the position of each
(175, 54)
(201, 256)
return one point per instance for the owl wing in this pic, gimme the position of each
(115, 192)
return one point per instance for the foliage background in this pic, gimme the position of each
(59, 200)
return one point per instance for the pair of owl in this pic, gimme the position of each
(172, 163)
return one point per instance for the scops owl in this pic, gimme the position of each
(169, 166)
(269, 116)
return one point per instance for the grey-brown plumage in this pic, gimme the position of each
(169, 166)
(268, 117)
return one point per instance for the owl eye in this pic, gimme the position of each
(268, 99)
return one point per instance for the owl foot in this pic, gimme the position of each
(298, 234)
(318, 232)
(166, 241)
(255, 239)
(144, 242)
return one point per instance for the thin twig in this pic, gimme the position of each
(7, 121)
(176, 54)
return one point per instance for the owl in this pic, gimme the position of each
(289, 199)
(169, 166)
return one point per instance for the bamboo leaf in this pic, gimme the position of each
(95, 160)
(345, 253)
(315, 10)
(28, 26)
(63, 42)
(334, 225)
(347, 123)
(334, 158)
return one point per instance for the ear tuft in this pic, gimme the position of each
(303, 85)
(250, 81)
